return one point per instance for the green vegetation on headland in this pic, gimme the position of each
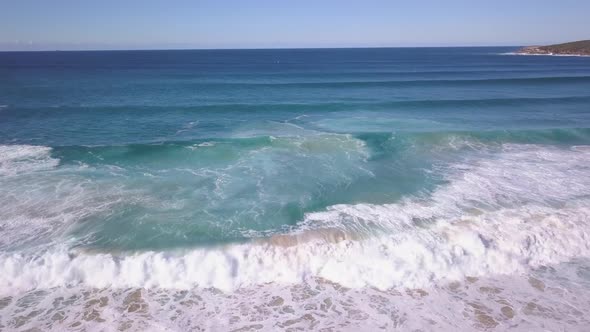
(574, 48)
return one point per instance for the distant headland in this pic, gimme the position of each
(580, 48)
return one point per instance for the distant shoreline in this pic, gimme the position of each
(546, 54)
(578, 48)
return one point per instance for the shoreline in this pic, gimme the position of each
(547, 54)
(578, 48)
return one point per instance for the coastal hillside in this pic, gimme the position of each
(573, 48)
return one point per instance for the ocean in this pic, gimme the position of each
(423, 189)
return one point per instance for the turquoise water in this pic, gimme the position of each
(108, 156)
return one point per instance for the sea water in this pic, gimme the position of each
(412, 188)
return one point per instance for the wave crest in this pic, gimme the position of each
(17, 159)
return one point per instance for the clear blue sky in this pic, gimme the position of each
(148, 24)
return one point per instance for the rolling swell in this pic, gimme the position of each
(301, 107)
(480, 139)
(434, 140)
(397, 105)
(412, 83)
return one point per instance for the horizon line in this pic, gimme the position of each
(251, 48)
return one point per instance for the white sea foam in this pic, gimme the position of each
(21, 218)
(518, 176)
(33, 213)
(39, 200)
(552, 298)
(201, 145)
(187, 127)
(15, 159)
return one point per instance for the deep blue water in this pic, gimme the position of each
(123, 97)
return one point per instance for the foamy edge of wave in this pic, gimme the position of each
(17, 159)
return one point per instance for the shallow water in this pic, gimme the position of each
(411, 189)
